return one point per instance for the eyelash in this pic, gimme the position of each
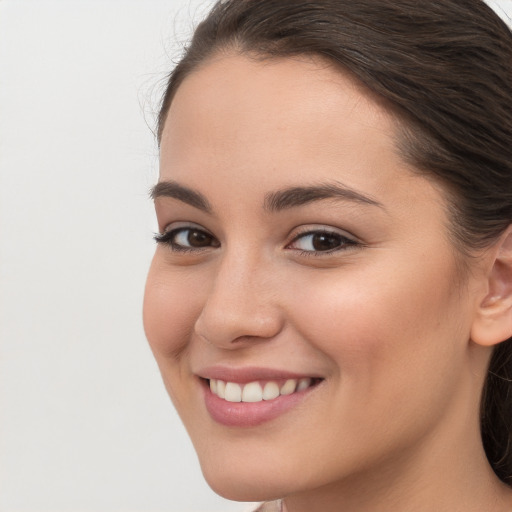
(344, 242)
(168, 239)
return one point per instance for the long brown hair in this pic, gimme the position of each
(445, 68)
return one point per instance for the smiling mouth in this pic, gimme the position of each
(258, 391)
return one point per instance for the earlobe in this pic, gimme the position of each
(493, 322)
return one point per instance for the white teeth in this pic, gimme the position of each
(288, 387)
(233, 392)
(303, 384)
(253, 391)
(270, 391)
(221, 389)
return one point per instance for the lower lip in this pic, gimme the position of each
(251, 414)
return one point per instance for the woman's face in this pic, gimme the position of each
(307, 271)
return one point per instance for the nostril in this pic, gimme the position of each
(237, 327)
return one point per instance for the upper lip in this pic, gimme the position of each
(243, 375)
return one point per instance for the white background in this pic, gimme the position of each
(85, 423)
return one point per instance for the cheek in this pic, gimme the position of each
(170, 311)
(392, 354)
(382, 327)
(169, 314)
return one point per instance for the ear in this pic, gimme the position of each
(493, 322)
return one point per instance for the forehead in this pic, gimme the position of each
(268, 124)
(304, 85)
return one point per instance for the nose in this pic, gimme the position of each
(241, 305)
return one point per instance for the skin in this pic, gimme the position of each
(385, 321)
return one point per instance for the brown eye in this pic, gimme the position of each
(196, 238)
(325, 241)
(321, 241)
(187, 239)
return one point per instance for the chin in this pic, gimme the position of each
(239, 490)
(249, 485)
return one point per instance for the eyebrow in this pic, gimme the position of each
(181, 193)
(274, 202)
(298, 196)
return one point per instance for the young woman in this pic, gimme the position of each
(330, 302)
